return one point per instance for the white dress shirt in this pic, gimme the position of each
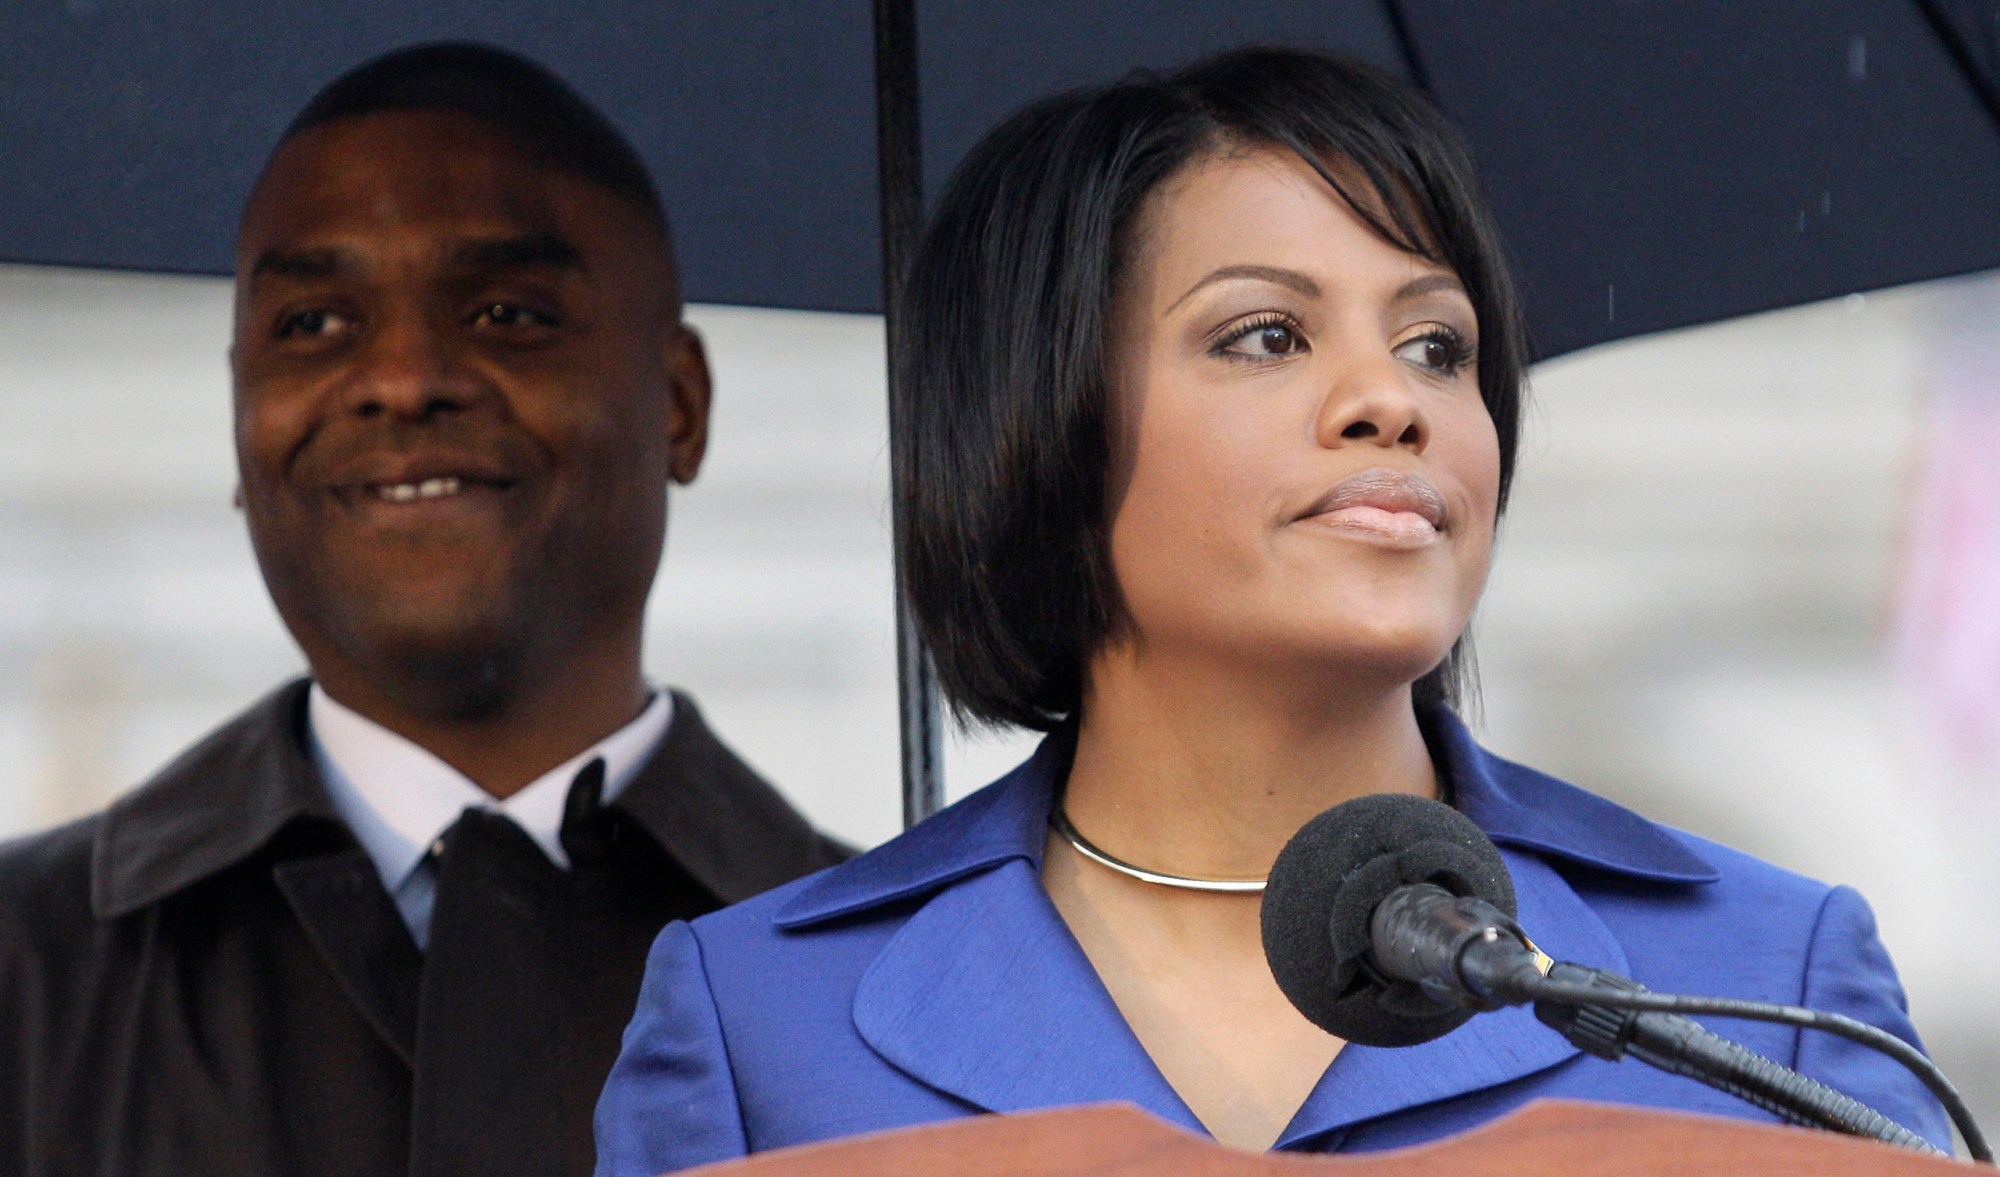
(400, 799)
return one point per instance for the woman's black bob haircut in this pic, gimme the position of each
(1000, 349)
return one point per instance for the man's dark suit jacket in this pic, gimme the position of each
(210, 979)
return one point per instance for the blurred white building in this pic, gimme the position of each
(1689, 611)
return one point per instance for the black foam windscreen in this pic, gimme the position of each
(1323, 892)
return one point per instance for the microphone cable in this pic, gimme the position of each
(1572, 993)
(1461, 949)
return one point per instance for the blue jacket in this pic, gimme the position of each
(933, 978)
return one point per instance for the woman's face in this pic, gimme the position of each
(1303, 472)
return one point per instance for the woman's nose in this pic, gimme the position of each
(409, 369)
(1372, 404)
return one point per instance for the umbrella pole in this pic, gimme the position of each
(1406, 42)
(900, 152)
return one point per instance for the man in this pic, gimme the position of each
(393, 919)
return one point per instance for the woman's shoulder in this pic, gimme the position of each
(1688, 911)
(1605, 845)
(1596, 840)
(1001, 822)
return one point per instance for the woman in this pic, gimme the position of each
(1211, 384)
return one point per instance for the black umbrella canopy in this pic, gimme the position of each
(130, 130)
(979, 61)
(1656, 164)
(1653, 163)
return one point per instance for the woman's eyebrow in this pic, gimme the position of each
(1429, 284)
(1292, 279)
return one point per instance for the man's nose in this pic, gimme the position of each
(413, 370)
(1371, 403)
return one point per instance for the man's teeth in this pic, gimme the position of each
(410, 492)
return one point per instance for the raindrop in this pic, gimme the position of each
(1857, 59)
(1855, 302)
(1610, 302)
(1802, 220)
(1826, 204)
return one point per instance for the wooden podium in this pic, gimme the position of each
(1543, 1139)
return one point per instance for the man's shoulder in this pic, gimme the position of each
(718, 817)
(45, 888)
(209, 807)
(54, 857)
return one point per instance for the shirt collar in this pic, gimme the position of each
(1008, 819)
(252, 784)
(399, 798)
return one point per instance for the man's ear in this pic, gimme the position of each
(687, 414)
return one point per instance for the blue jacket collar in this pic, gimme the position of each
(982, 992)
(1008, 819)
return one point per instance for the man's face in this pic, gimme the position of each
(462, 388)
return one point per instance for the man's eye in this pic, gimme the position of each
(317, 323)
(510, 314)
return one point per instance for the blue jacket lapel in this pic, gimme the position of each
(985, 995)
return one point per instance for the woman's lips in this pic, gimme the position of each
(1394, 508)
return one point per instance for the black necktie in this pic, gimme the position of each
(586, 830)
(529, 976)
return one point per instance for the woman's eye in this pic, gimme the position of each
(1442, 352)
(317, 323)
(1267, 337)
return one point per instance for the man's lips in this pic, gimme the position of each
(409, 479)
(442, 487)
(1398, 508)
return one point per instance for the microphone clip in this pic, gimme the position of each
(1459, 949)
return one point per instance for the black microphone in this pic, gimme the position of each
(1333, 880)
(1389, 921)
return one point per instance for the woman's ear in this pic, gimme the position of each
(690, 391)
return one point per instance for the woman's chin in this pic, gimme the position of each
(1339, 658)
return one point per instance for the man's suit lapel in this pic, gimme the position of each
(985, 995)
(248, 789)
(721, 822)
(1492, 1049)
(355, 927)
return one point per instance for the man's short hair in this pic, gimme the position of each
(522, 100)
